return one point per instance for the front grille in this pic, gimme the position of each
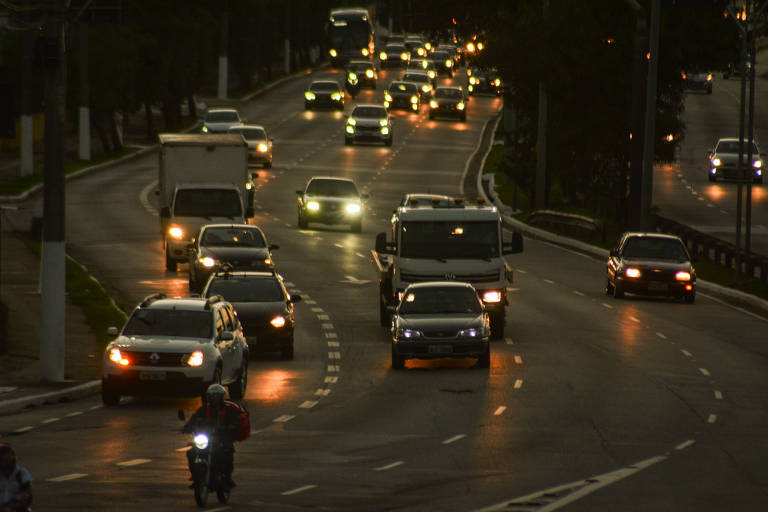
(138, 358)
(440, 334)
(489, 277)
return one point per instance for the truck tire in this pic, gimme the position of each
(170, 263)
(398, 361)
(497, 327)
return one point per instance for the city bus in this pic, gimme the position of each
(349, 35)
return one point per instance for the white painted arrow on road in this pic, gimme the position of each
(354, 280)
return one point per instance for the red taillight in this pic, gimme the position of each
(683, 276)
(632, 272)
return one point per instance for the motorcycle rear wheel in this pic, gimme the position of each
(201, 494)
(222, 494)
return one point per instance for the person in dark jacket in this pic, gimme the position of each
(15, 482)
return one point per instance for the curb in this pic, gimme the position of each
(733, 297)
(64, 395)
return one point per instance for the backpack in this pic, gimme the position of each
(243, 430)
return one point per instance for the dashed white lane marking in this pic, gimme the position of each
(509, 341)
(66, 478)
(661, 335)
(322, 392)
(333, 344)
(23, 429)
(634, 319)
(518, 383)
(76, 413)
(686, 353)
(308, 404)
(521, 271)
(704, 371)
(454, 438)
(310, 302)
(330, 335)
(284, 418)
(133, 462)
(606, 305)
(360, 255)
(718, 395)
(185, 449)
(518, 359)
(331, 379)
(683, 446)
(50, 420)
(289, 284)
(317, 310)
(334, 355)
(95, 407)
(499, 410)
(327, 327)
(548, 281)
(298, 490)
(339, 246)
(724, 212)
(712, 418)
(389, 466)
(323, 317)
(577, 292)
(333, 368)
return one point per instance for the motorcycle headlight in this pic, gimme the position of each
(310, 96)
(351, 121)
(383, 56)
(709, 77)
(278, 321)
(333, 52)
(176, 232)
(432, 104)
(204, 129)
(414, 99)
(201, 441)
(460, 105)
(407, 334)
(353, 208)
(369, 73)
(336, 96)
(117, 357)
(716, 162)
(492, 296)
(313, 205)
(263, 148)
(387, 97)
(207, 261)
(469, 333)
(196, 358)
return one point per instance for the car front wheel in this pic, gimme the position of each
(110, 395)
(398, 361)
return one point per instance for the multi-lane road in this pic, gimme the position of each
(636, 404)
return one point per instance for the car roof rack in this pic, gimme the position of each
(149, 299)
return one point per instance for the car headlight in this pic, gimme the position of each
(386, 104)
(472, 80)
(313, 205)
(351, 121)
(268, 262)
(310, 96)
(757, 164)
(176, 232)
(460, 105)
(204, 129)
(470, 88)
(424, 64)
(201, 441)
(431, 74)
(387, 97)
(207, 261)
(492, 296)
(469, 333)
(337, 96)
(263, 148)
(404, 56)
(248, 185)
(117, 357)
(425, 88)
(448, 63)
(350, 129)
(433, 104)
(353, 208)
(683, 276)
(414, 99)
(407, 334)
(716, 162)
(196, 358)
(333, 52)
(383, 122)
(415, 106)
(278, 321)
(383, 56)
(632, 272)
(497, 82)
(384, 130)
(369, 73)
(364, 51)
(420, 51)
(709, 77)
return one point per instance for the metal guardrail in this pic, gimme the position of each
(567, 221)
(715, 249)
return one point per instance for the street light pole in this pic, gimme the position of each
(541, 138)
(649, 151)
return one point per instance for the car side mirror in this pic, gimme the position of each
(227, 336)
(165, 212)
(273, 247)
(111, 331)
(513, 247)
(294, 299)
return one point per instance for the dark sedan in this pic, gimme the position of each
(697, 81)
(264, 308)
(484, 80)
(438, 319)
(394, 55)
(448, 101)
(324, 93)
(402, 95)
(651, 264)
(365, 72)
(239, 246)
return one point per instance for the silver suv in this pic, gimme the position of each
(176, 347)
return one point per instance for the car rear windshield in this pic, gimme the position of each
(235, 289)
(448, 93)
(333, 188)
(324, 86)
(250, 133)
(222, 117)
(732, 146)
(395, 48)
(169, 322)
(412, 77)
(403, 87)
(654, 248)
(233, 237)
(443, 240)
(207, 203)
(440, 300)
(376, 112)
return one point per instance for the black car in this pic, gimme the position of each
(365, 72)
(437, 319)
(324, 93)
(484, 80)
(697, 81)
(330, 200)
(448, 101)
(263, 306)
(394, 56)
(238, 246)
(651, 264)
(443, 62)
(404, 95)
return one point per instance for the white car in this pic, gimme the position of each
(176, 347)
(723, 161)
(369, 122)
(219, 120)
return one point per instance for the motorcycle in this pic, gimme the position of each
(352, 83)
(206, 477)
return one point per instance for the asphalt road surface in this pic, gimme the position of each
(635, 404)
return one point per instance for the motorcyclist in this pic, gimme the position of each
(352, 83)
(15, 483)
(221, 421)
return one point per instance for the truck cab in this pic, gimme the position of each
(454, 242)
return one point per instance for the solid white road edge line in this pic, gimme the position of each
(499, 410)
(65, 478)
(133, 462)
(298, 490)
(389, 466)
(454, 438)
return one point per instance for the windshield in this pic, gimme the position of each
(222, 117)
(449, 239)
(355, 34)
(403, 87)
(376, 112)
(207, 203)
(448, 93)
(359, 66)
(250, 133)
(169, 322)
(440, 56)
(656, 248)
(440, 300)
(233, 237)
(334, 188)
(394, 48)
(413, 77)
(235, 289)
(324, 86)
(732, 146)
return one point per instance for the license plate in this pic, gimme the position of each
(657, 287)
(151, 375)
(440, 349)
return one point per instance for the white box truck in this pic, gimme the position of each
(203, 179)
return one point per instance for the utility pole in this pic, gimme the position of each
(541, 137)
(287, 49)
(649, 142)
(637, 127)
(84, 149)
(53, 270)
(223, 51)
(27, 146)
